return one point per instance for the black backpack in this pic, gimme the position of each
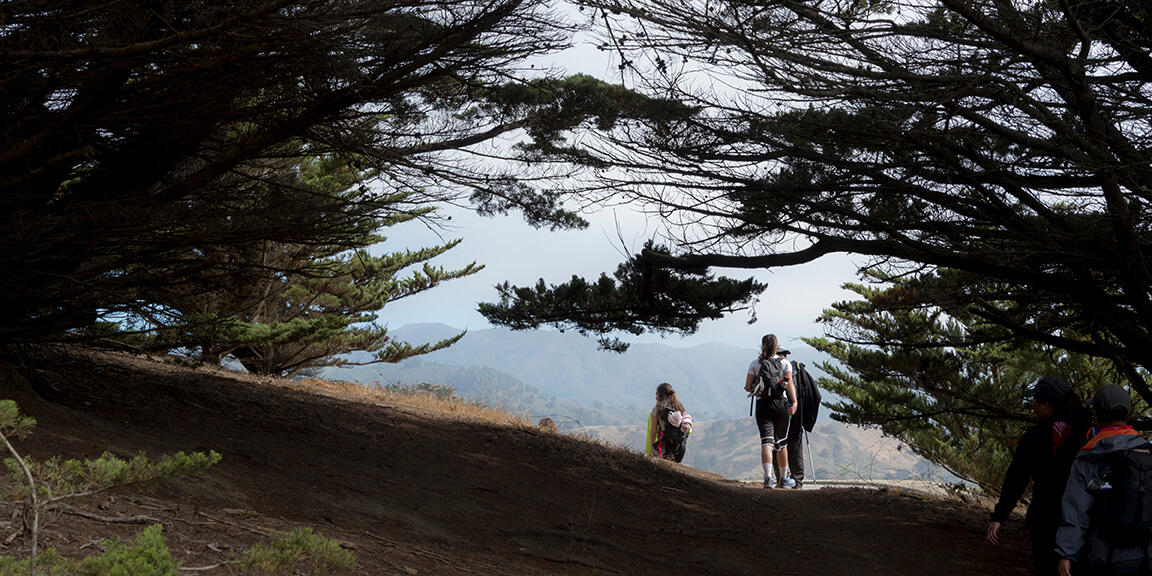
(1124, 499)
(674, 441)
(771, 376)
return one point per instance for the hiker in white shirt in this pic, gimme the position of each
(775, 405)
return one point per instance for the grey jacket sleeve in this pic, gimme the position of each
(1073, 531)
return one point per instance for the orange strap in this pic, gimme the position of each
(1108, 433)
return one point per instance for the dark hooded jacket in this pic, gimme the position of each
(808, 393)
(1044, 456)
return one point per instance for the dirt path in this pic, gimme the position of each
(413, 494)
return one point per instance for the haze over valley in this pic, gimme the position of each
(607, 396)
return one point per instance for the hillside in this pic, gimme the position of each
(835, 451)
(570, 370)
(608, 395)
(419, 493)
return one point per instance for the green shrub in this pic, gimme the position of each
(147, 556)
(44, 483)
(300, 551)
(48, 563)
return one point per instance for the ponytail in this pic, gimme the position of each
(769, 345)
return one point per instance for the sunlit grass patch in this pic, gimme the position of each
(435, 399)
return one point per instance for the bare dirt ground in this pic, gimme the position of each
(413, 493)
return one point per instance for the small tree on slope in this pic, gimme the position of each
(47, 485)
(284, 308)
(950, 386)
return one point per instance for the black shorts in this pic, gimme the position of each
(772, 419)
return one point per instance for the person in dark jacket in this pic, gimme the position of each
(1082, 538)
(803, 421)
(1044, 456)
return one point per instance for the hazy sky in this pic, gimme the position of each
(513, 251)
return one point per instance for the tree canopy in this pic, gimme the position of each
(1005, 147)
(928, 378)
(636, 298)
(140, 138)
(286, 308)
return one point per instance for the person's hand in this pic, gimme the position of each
(1065, 567)
(792, 408)
(994, 533)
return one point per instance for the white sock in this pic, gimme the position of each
(767, 472)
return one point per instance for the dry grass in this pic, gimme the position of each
(429, 404)
(436, 403)
(421, 402)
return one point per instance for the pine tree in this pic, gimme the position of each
(284, 308)
(1006, 142)
(636, 298)
(138, 137)
(951, 386)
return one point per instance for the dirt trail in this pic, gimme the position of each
(416, 494)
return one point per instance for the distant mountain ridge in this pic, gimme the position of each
(606, 395)
(569, 368)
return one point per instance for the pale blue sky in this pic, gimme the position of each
(511, 250)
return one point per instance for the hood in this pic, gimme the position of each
(1114, 440)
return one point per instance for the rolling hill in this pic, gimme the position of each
(414, 491)
(606, 395)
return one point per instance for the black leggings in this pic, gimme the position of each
(772, 419)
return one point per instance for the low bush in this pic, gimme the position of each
(301, 552)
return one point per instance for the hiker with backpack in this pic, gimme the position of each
(803, 420)
(769, 380)
(1043, 456)
(669, 426)
(1107, 507)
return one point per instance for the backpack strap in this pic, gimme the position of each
(1108, 433)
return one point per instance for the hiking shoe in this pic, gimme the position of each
(768, 482)
(798, 485)
(788, 482)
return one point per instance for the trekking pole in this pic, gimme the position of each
(811, 464)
